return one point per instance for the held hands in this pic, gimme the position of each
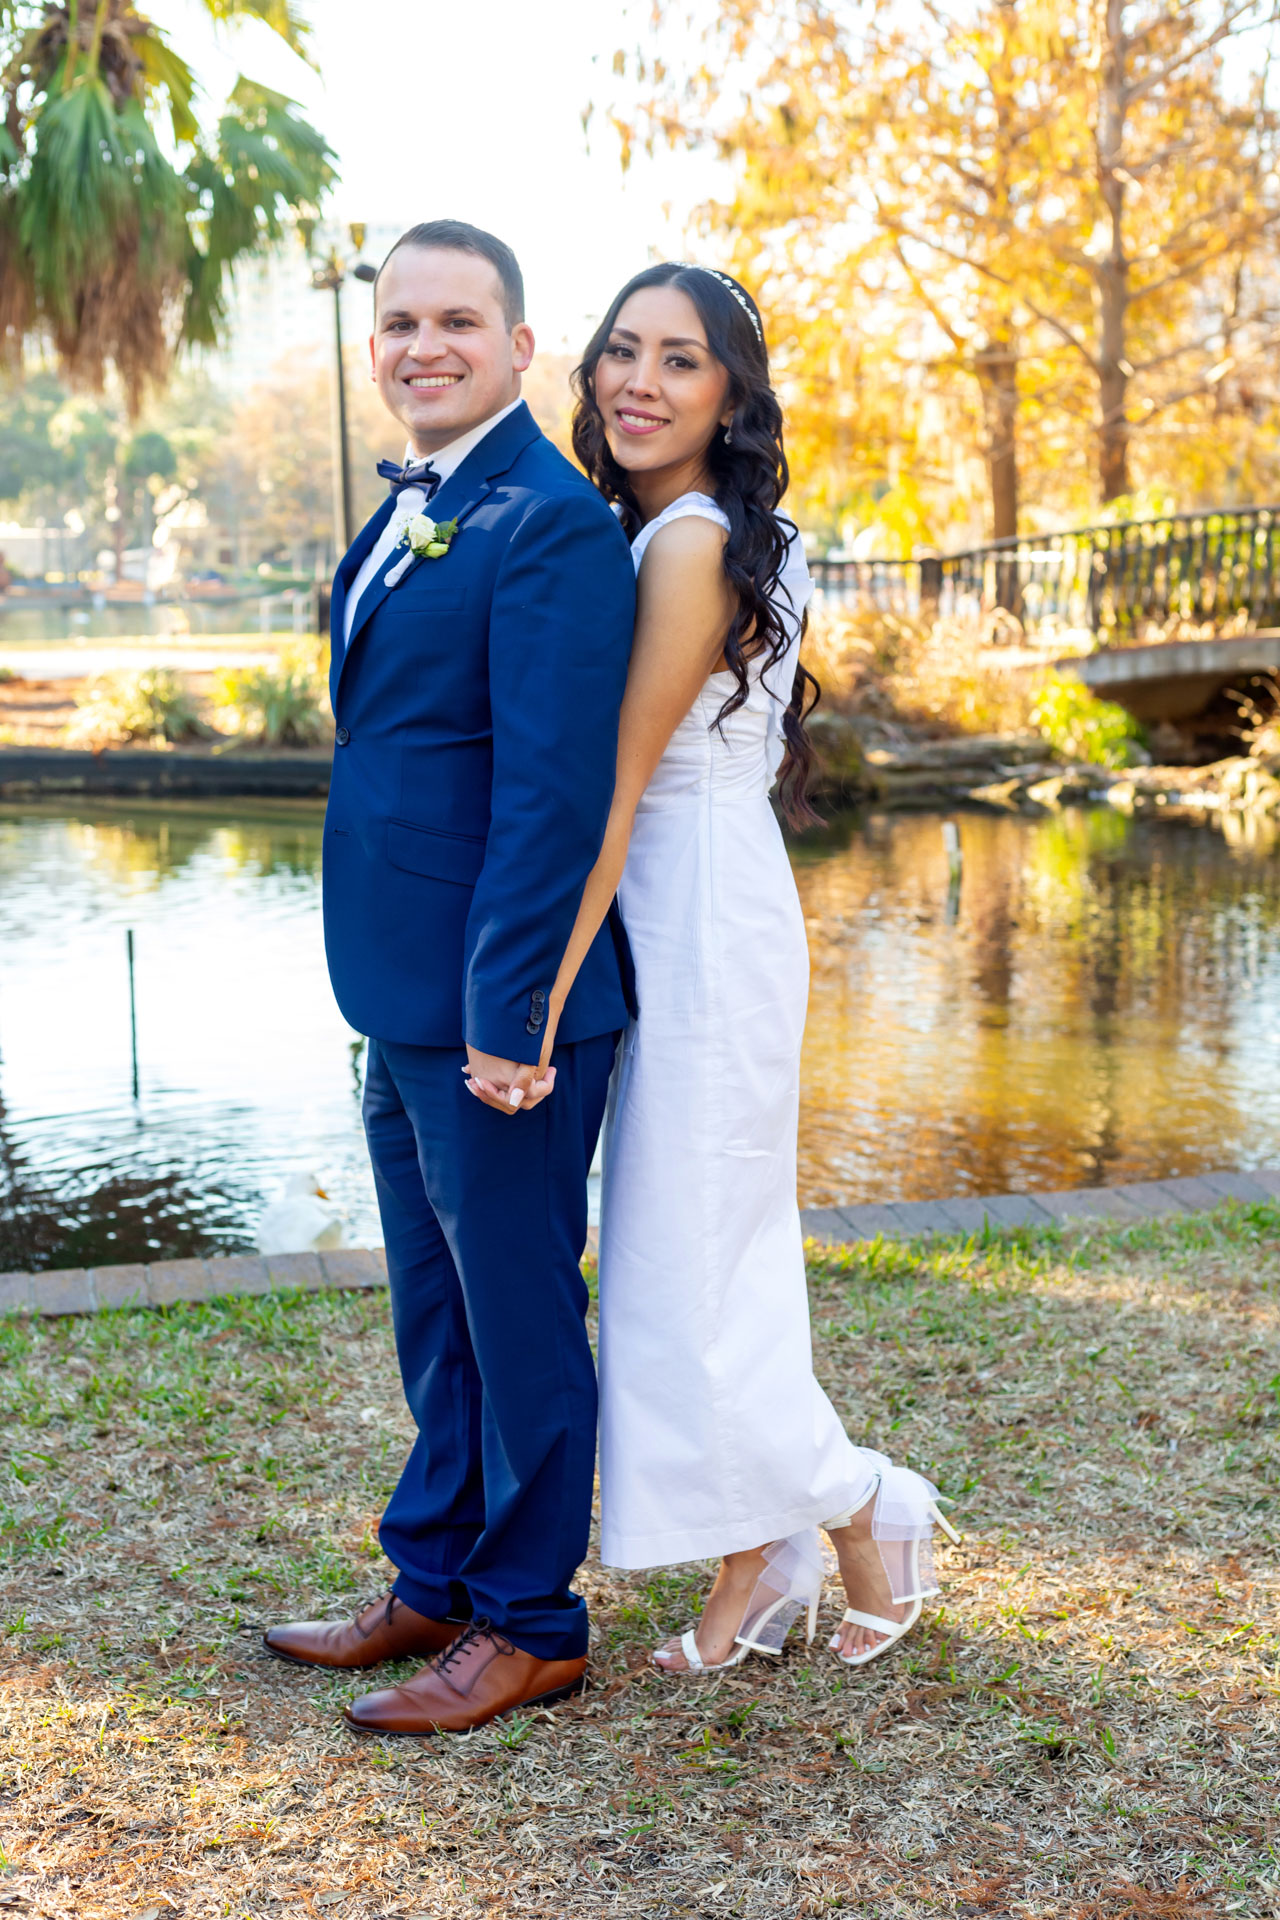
(506, 1085)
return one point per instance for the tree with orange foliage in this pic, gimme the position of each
(1057, 222)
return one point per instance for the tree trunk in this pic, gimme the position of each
(997, 368)
(998, 379)
(1111, 276)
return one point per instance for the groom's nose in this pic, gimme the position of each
(428, 343)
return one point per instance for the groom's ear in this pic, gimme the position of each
(522, 345)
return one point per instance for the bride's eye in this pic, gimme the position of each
(683, 362)
(616, 350)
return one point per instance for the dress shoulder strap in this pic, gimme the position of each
(688, 506)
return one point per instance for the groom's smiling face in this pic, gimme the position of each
(444, 356)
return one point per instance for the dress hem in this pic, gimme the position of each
(710, 1543)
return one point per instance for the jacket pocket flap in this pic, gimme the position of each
(421, 596)
(440, 856)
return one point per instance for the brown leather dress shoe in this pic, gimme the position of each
(384, 1630)
(478, 1678)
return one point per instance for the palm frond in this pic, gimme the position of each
(109, 251)
(268, 160)
(164, 70)
(280, 15)
(102, 235)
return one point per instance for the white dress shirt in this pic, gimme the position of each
(409, 501)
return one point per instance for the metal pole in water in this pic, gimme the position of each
(133, 1010)
(955, 866)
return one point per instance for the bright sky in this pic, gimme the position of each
(474, 112)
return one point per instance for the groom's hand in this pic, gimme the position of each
(506, 1085)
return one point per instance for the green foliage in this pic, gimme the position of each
(119, 210)
(148, 704)
(148, 456)
(279, 707)
(30, 457)
(1079, 726)
(63, 452)
(265, 161)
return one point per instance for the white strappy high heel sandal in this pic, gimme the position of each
(789, 1586)
(781, 1616)
(893, 1630)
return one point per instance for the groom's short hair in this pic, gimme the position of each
(458, 236)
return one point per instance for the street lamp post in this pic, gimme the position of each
(328, 274)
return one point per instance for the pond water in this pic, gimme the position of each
(1100, 1003)
(28, 624)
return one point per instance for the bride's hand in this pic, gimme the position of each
(494, 1082)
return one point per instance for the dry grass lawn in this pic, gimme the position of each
(1084, 1726)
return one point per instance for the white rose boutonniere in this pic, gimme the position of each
(429, 539)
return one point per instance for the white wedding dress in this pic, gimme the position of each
(714, 1434)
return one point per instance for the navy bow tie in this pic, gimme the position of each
(414, 473)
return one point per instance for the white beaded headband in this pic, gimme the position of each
(694, 266)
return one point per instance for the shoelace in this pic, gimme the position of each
(475, 1631)
(393, 1599)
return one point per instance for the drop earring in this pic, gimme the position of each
(728, 435)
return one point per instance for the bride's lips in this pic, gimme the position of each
(632, 420)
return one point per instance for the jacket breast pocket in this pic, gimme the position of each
(438, 856)
(422, 601)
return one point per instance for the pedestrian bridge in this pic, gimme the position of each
(1115, 586)
(1176, 680)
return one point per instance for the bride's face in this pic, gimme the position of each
(660, 390)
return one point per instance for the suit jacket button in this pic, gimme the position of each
(342, 736)
(532, 1026)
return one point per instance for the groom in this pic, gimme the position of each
(476, 682)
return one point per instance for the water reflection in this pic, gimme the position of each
(1106, 1006)
(1103, 1003)
(246, 1068)
(28, 624)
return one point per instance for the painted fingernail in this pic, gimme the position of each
(515, 1096)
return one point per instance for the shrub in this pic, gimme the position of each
(1079, 726)
(147, 703)
(940, 672)
(280, 706)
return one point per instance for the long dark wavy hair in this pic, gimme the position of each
(749, 476)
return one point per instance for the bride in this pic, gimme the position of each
(716, 1439)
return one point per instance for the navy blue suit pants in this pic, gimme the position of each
(485, 1219)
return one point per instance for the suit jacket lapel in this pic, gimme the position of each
(348, 567)
(459, 497)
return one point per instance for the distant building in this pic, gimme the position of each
(34, 552)
(276, 311)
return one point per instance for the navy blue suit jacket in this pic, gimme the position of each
(477, 715)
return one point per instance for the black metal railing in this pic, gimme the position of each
(1120, 582)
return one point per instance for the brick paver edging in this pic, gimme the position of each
(1139, 1200)
(164, 1283)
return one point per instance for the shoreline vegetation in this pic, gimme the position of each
(913, 714)
(1084, 1726)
